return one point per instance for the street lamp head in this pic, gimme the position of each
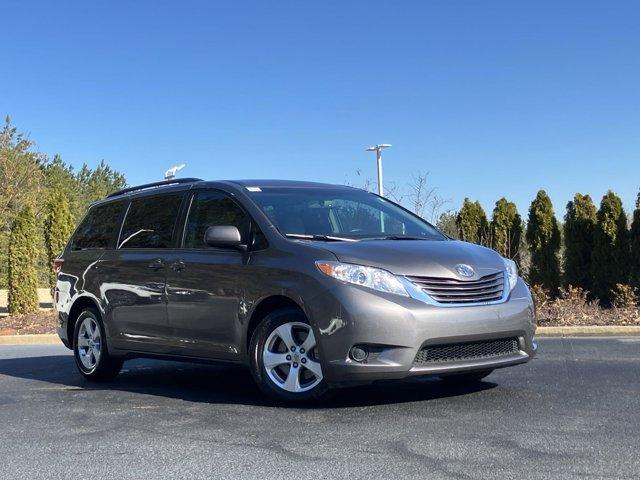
(377, 148)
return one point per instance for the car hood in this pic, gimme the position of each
(419, 257)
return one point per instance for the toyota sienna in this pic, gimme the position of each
(311, 286)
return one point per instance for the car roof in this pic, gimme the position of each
(187, 183)
(284, 183)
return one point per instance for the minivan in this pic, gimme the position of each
(312, 286)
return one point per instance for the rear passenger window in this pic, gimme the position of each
(151, 221)
(100, 227)
(212, 208)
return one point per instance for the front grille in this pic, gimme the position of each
(467, 351)
(450, 290)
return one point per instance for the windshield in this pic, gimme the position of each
(339, 212)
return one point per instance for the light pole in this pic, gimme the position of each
(378, 149)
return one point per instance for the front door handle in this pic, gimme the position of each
(156, 264)
(178, 266)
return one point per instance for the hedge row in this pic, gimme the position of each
(41, 199)
(600, 250)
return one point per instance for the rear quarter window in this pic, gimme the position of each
(99, 228)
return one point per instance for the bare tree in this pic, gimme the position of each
(418, 196)
(423, 198)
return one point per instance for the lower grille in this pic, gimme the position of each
(467, 351)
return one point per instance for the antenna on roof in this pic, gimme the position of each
(171, 173)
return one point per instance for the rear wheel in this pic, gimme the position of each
(467, 377)
(284, 357)
(90, 348)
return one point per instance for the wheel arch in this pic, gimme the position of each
(264, 308)
(78, 306)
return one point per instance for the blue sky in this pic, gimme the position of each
(492, 98)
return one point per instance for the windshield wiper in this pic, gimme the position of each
(322, 238)
(398, 237)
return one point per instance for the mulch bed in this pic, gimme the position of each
(560, 316)
(31, 323)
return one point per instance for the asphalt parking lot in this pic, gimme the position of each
(573, 412)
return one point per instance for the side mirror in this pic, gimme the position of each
(223, 236)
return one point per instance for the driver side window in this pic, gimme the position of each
(211, 208)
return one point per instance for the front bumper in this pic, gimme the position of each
(396, 328)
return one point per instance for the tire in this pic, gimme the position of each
(90, 349)
(293, 372)
(467, 377)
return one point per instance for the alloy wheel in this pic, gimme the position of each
(290, 357)
(89, 343)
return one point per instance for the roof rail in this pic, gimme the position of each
(174, 181)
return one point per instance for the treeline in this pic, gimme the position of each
(41, 201)
(596, 250)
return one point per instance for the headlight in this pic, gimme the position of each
(370, 277)
(512, 272)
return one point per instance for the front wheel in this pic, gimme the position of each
(90, 348)
(285, 362)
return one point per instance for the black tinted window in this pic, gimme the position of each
(151, 221)
(100, 227)
(211, 208)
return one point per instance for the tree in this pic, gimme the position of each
(634, 278)
(543, 238)
(472, 224)
(23, 254)
(447, 224)
(98, 183)
(59, 176)
(26, 176)
(20, 171)
(58, 226)
(579, 225)
(506, 229)
(610, 256)
(423, 199)
(20, 184)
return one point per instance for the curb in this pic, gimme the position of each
(45, 339)
(594, 330)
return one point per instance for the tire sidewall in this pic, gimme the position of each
(95, 371)
(256, 348)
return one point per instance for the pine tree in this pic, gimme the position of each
(579, 226)
(634, 279)
(543, 239)
(610, 257)
(472, 224)
(506, 229)
(99, 182)
(23, 255)
(447, 224)
(58, 226)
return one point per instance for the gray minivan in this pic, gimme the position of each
(311, 285)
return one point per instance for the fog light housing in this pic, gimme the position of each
(358, 353)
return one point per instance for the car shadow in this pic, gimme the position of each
(224, 384)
